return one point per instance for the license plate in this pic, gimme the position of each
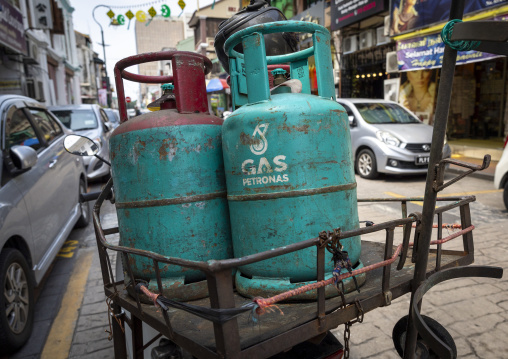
(423, 160)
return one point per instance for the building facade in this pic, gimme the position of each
(38, 51)
(161, 33)
(90, 76)
(205, 23)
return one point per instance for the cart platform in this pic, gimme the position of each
(270, 325)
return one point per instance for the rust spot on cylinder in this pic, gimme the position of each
(247, 140)
(168, 149)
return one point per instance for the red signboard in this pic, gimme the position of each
(127, 99)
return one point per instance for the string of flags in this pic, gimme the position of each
(141, 15)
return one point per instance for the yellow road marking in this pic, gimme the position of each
(472, 193)
(59, 340)
(396, 195)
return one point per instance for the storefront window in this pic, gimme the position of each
(478, 101)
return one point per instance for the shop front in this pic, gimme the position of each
(477, 115)
(219, 96)
(363, 73)
(364, 44)
(12, 49)
(479, 87)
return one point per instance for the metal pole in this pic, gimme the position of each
(103, 51)
(429, 204)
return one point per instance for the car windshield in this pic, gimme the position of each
(112, 116)
(77, 119)
(384, 113)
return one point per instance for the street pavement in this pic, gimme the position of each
(473, 310)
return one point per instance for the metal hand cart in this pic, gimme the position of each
(391, 271)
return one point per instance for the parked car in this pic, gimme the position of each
(113, 116)
(90, 121)
(501, 175)
(131, 112)
(40, 185)
(387, 138)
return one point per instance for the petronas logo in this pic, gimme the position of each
(261, 145)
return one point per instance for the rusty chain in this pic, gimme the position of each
(347, 326)
(330, 239)
(347, 336)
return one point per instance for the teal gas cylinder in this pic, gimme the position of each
(288, 163)
(168, 176)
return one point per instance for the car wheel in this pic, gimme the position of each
(366, 165)
(84, 208)
(505, 195)
(16, 300)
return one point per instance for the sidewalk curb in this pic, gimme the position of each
(59, 341)
(477, 174)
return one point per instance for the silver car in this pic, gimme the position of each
(90, 121)
(113, 116)
(40, 185)
(388, 138)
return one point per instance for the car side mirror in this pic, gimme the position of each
(83, 146)
(352, 121)
(80, 145)
(23, 157)
(108, 126)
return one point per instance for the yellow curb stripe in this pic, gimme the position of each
(59, 340)
(472, 193)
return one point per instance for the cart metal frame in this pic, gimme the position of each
(326, 314)
(226, 340)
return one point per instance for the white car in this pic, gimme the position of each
(501, 176)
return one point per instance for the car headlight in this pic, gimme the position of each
(98, 142)
(387, 138)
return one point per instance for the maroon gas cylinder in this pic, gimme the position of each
(168, 175)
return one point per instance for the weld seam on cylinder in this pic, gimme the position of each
(170, 201)
(289, 194)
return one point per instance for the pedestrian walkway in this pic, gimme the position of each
(487, 173)
(90, 340)
(473, 151)
(474, 310)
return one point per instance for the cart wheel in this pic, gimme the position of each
(422, 351)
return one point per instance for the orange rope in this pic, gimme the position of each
(150, 295)
(264, 303)
(444, 225)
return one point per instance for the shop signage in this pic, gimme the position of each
(42, 14)
(412, 15)
(426, 52)
(346, 12)
(10, 86)
(11, 27)
(315, 14)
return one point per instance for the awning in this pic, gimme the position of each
(216, 85)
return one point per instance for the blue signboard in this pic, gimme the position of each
(409, 15)
(426, 52)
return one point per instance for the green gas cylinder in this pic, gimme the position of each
(288, 163)
(167, 169)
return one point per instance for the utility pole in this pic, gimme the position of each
(104, 54)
